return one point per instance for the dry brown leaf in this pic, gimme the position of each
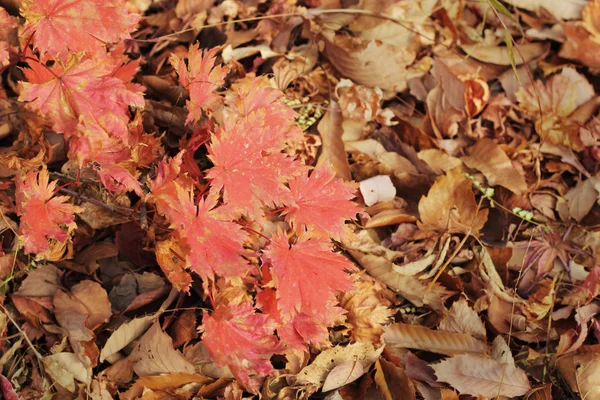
(65, 368)
(368, 309)
(580, 45)
(480, 376)
(488, 158)
(409, 287)
(423, 338)
(95, 252)
(501, 56)
(501, 352)
(43, 281)
(163, 383)
(439, 160)
(184, 328)
(557, 98)
(125, 334)
(392, 381)
(581, 370)
(173, 267)
(582, 197)
(95, 300)
(359, 60)
(560, 9)
(450, 206)
(317, 371)
(333, 150)
(343, 374)
(463, 319)
(155, 354)
(298, 61)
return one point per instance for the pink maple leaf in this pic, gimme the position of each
(43, 216)
(321, 202)
(308, 275)
(214, 244)
(201, 78)
(236, 336)
(60, 27)
(248, 170)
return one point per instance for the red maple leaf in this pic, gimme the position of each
(308, 275)
(247, 169)
(201, 78)
(321, 202)
(214, 244)
(43, 216)
(80, 89)
(236, 336)
(60, 27)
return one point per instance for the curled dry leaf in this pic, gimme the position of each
(330, 129)
(316, 373)
(450, 206)
(423, 338)
(480, 376)
(155, 354)
(488, 158)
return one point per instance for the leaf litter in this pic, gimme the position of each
(302, 199)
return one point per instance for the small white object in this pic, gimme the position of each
(376, 189)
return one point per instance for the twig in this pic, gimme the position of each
(126, 211)
(37, 353)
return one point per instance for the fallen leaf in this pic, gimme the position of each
(332, 150)
(488, 158)
(422, 338)
(501, 56)
(582, 197)
(581, 370)
(480, 376)
(43, 281)
(343, 374)
(65, 368)
(463, 319)
(163, 384)
(392, 381)
(155, 354)
(450, 206)
(125, 334)
(327, 360)
(570, 9)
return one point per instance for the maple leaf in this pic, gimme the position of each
(214, 244)
(321, 202)
(237, 322)
(172, 192)
(308, 275)
(201, 78)
(249, 175)
(43, 216)
(60, 27)
(250, 96)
